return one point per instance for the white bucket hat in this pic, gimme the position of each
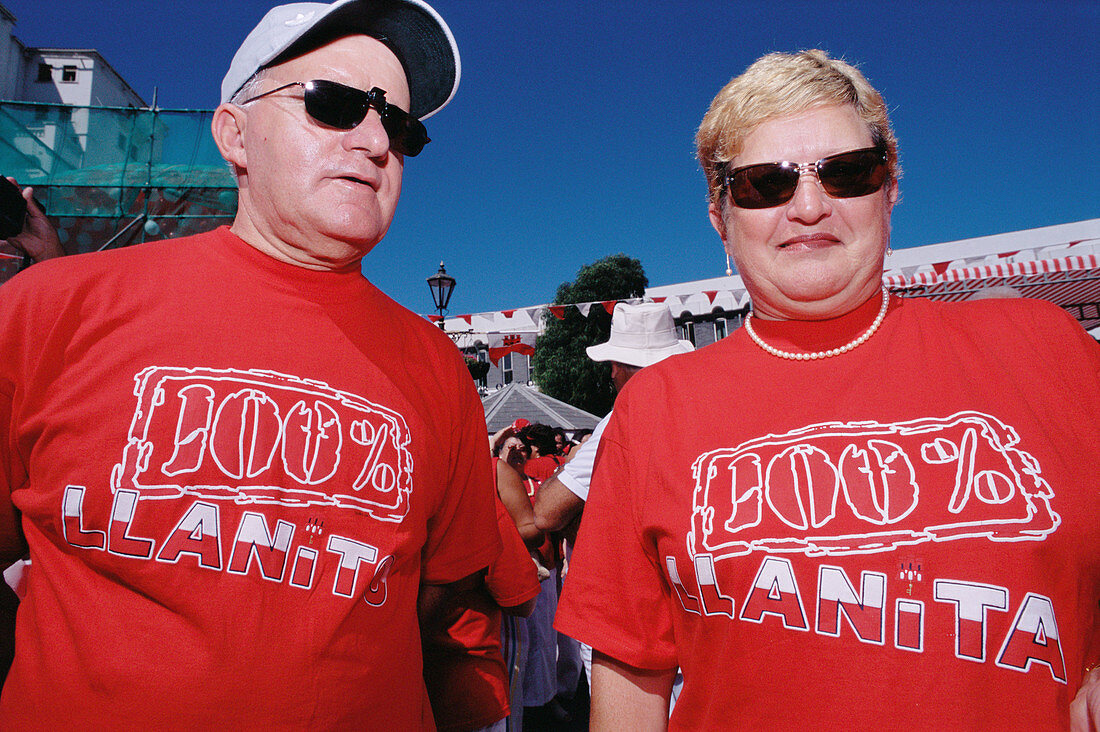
(412, 29)
(641, 335)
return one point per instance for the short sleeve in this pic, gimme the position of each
(577, 473)
(615, 598)
(462, 534)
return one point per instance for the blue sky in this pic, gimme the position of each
(571, 134)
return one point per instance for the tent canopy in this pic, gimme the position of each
(516, 401)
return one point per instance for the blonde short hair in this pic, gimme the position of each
(780, 84)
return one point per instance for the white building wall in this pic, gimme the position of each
(79, 78)
(11, 57)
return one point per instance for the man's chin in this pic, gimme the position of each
(359, 239)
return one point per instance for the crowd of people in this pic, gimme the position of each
(526, 454)
(248, 490)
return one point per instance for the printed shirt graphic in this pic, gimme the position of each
(899, 538)
(783, 493)
(230, 499)
(268, 438)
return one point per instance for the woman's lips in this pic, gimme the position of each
(810, 241)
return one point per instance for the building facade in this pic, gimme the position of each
(67, 83)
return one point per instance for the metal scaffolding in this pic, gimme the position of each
(116, 176)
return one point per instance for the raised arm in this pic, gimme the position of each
(513, 494)
(555, 505)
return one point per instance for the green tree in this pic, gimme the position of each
(561, 367)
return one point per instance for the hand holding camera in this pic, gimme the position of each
(23, 223)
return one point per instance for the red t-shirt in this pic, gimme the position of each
(540, 468)
(463, 666)
(536, 470)
(233, 474)
(901, 537)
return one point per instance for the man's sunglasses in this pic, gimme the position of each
(345, 107)
(844, 175)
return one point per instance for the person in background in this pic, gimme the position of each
(542, 443)
(510, 454)
(540, 684)
(561, 441)
(470, 656)
(641, 335)
(858, 510)
(223, 452)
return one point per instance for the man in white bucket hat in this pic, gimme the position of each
(641, 335)
(238, 468)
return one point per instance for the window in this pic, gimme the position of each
(719, 329)
(687, 332)
(68, 74)
(45, 72)
(506, 367)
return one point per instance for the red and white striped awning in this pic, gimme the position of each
(1071, 282)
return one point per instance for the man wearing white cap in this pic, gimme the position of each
(238, 468)
(641, 335)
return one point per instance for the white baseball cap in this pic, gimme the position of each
(412, 29)
(641, 335)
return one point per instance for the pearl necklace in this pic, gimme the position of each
(822, 354)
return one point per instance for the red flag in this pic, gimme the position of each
(609, 306)
(502, 343)
(558, 311)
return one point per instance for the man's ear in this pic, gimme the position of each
(228, 127)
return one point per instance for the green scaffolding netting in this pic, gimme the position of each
(111, 177)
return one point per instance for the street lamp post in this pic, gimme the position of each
(441, 284)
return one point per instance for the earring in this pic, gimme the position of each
(729, 270)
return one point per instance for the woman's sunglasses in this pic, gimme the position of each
(345, 107)
(844, 175)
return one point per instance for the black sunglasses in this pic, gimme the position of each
(844, 175)
(345, 107)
